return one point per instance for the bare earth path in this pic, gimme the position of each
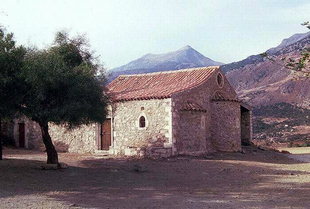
(256, 179)
(301, 154)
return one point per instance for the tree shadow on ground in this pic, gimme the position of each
(171, 183)
(255, 154)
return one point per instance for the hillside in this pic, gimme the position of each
(268, 82)
(282, 123)
(281, 101)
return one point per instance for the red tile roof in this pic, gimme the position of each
(192, 106)
(158, 85)
(218, 97)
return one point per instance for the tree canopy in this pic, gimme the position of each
(11, 60)
(64, 86)
(11, 85)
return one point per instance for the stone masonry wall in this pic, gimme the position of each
(79, 140)
(192, 142)
(154, 140)
(195, 132)
(225, 127)
(33, 137)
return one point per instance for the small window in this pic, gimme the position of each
(142, 122)
(220, 79)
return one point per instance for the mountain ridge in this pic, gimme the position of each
(269, 81)
(185, 57)
(287, 44)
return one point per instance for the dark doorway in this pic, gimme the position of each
(105, 135)
(21, 134)
(245, 126)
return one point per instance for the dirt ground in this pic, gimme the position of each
(254, 179)
(301, 154)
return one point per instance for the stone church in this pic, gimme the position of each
(192, 111)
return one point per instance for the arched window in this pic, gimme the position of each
(142, 122)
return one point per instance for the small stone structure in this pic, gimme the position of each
(192, 111)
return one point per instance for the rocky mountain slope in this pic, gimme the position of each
(281, 100)
(186, 57)
(266, 82)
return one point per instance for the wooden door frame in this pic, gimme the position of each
(99, 134)
(16, 123)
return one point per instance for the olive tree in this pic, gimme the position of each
(11, 88)
(64, 87)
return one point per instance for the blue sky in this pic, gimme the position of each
(120, 31)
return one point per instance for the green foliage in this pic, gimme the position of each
(283, 110)
(63, 86)
(11, 88)
(306, 24)
(300, 66)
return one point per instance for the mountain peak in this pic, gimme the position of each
(187, 47)
(185, 57)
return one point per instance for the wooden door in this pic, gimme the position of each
(21, 134)
(106, 134)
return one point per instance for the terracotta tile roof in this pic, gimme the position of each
(219, 97)
(192, 106)
(225, 100)
(158, 85)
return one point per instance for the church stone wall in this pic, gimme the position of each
(197, 132)
(225, 127)
(154, 140)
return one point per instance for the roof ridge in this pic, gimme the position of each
(173, 71)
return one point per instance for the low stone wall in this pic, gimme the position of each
(79, 140)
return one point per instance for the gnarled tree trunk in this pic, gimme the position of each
(52, 156)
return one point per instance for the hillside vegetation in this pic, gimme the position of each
(282, 123)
